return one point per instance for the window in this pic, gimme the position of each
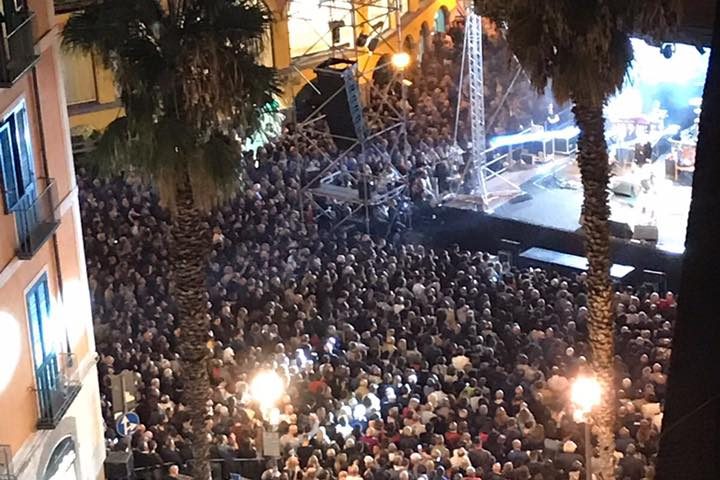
(63, 462)
(311, 25)
(38, 309)
(79, 77)
(16, 161)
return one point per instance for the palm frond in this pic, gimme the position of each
(191, 84)
(583, 51)
(215, 172)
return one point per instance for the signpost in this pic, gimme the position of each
(127, 424)
(271, 444)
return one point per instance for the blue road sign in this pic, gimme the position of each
(127, 424)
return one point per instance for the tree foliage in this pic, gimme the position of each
(189, 79)
(580, 47)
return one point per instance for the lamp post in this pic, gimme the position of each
(585, 395)
(266, 389)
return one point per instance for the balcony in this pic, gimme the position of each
(35, 219)
(57, 387)
(17, 54)
(68, 6)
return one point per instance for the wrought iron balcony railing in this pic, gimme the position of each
(17, 54)
(67, 6)
(35, 219)
(57, 387)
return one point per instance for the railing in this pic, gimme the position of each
(221, 469)
(67, 6)
(35, 219)
(57, 387)
(17, 54)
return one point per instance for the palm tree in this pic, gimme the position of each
(189, 79)
(690, 438)
(583, 50)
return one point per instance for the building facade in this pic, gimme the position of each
(51, 426)
(303, 34)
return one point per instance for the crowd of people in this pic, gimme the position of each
(399, 361)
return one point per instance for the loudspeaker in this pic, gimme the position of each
(648, 233)
(620, 230)
(336, 82)
(670, 162)
(625, 188)
(119, 466)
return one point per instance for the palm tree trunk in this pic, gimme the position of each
(595, 171)
(191, 251)
(690, 440)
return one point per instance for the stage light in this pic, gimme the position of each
(373, 44)
(335, 26)
(585, 395)
(667, 50)
(400, 60)
(267, 388)
(361, 40)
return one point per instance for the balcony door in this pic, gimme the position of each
(18, 171)
(43, 344)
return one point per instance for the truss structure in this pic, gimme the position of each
(335, 193)
(484, 176)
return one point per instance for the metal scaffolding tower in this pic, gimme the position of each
(474, 49)
(334, 192)
(485, 177)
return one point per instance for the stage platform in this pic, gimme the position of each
(543, 257)
(474, 230)
(554, 198)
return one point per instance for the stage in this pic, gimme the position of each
(553, 197)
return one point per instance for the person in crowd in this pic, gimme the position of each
(400, 361)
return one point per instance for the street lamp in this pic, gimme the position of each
(267, 388)
(400, 60)
(585, 394)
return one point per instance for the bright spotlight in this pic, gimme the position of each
(274, 416)
(267, 388)
(400, 60)
(585, 394)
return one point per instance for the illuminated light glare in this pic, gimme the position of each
(10, 342)
(267, 388)
(400, 60)
(274, 416)
(585, 394)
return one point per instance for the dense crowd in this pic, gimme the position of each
(400, 362)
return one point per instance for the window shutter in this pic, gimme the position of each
(24, 149)
(35, 326)
(9, 174)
